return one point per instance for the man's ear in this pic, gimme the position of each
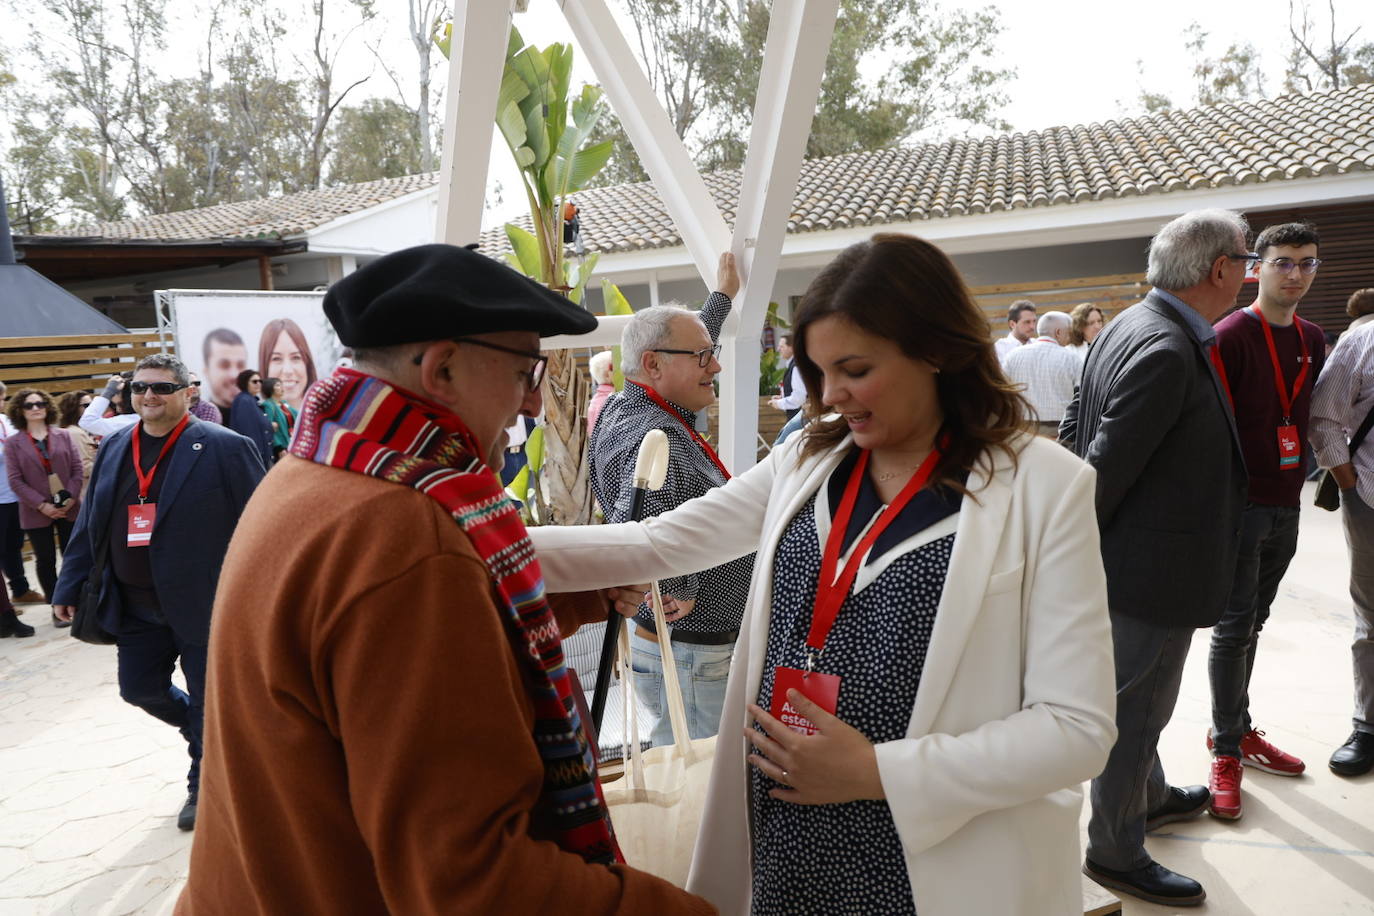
(438, 376)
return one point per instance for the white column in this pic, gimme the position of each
(653, 288)
(665, 158)
(477, 58)
(799, 33)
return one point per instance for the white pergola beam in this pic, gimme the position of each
(662, 153)
(799, 34)
(477, 58)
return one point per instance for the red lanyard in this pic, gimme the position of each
(47, 462)
(696, 436)
(830, 591)
(1285, 400)
(145, 481)
(1215, 353)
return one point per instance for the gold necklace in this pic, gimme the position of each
(885, 477)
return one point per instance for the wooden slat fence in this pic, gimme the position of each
(1111, 293)
(61, 364)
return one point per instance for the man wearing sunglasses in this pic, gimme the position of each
(161, 506)
(201, 408)
(391, 727)
(1272, 358)
(669, 358)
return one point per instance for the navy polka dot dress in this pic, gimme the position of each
(847, 858)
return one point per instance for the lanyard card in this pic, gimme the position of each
(1290, 452)
(141, 518)
(821, 689)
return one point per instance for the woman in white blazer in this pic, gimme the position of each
(968, 661)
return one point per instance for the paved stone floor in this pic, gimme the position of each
(90, 787)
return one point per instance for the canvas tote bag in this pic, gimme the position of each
(656, 805)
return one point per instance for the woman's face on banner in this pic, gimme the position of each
(287, 363)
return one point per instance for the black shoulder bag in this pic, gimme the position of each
(1328, 491)
(86, 621)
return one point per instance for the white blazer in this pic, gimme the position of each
(1016, 705)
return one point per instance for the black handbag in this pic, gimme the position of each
(1328, 495)
(86, 621)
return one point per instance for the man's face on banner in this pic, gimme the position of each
(222, 370)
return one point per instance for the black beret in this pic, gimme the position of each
(435, 292)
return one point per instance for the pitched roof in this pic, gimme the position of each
(1328, 133)
(271, 217)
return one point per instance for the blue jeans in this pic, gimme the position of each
(148, 653)
(701, 673)
(797, 422)
(1268, 540)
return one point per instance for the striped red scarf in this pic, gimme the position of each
(360, 423)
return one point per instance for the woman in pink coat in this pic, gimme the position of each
(44, 467)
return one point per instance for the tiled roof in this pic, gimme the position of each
(272, 217)
(1329, 133)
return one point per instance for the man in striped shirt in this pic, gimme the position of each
(668, 357)
(1341, 404)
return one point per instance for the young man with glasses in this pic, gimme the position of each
(164, 497)
(1271, 359)
(669, 359)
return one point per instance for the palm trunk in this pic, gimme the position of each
(566, 497)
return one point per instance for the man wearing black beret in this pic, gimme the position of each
(389, 725)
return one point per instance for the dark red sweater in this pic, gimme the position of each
(1258, 411)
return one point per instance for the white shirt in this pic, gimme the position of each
(797, 398)
(96, 423)
(1047, 372)
(1342, 398)
(6, 491)
(1006, 346)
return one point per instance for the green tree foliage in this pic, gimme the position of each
(704, 59)
(376, 139)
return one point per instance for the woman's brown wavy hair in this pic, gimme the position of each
(906, 290)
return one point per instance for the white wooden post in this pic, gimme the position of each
(477, 58)
(799, 33)
(662, 153)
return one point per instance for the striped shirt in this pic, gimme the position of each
(720, 592)
(1342, 399)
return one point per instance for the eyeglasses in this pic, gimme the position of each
(704, 355)
(35, 405)
(1308, 266)
(1250, 259)
(195, 384)
(533, 377)
(163, 388)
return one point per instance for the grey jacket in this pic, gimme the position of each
(1154, 421)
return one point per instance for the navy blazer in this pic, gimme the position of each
(1152, 418)
(246, 417)
(210, 475)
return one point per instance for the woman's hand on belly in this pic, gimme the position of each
(837, 764)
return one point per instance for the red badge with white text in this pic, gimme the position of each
(1290, 449)
(141, 519)
(821, 689)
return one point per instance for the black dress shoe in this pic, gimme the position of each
(1355, 757)
(186, 820)
(59, 623)
(1152, 882)
(1183, 803)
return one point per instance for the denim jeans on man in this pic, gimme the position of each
(701, 673)
(1268, 540)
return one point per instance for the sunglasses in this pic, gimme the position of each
(193, 385)
(163, 388)
(35, 405)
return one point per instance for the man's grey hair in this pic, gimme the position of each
(1182, 252)
(648, 329)
(1051, 322)
(168, 362)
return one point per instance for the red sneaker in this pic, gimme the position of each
(1224, 781)
(1260, 754)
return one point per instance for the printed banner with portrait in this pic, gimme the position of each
(221, 334)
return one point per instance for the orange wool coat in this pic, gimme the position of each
(368, 729)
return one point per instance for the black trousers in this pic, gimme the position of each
(12, 549)
(148, 654)
(45, 553)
